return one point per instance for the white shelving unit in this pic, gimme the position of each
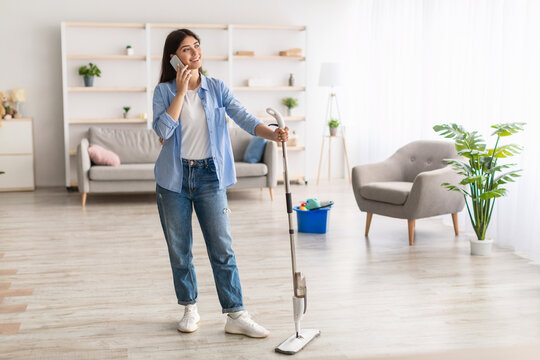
(130, 80)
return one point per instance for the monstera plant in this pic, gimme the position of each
(483, 176)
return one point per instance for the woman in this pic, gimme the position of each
(194, 168)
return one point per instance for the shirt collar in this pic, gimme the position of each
(204, 84)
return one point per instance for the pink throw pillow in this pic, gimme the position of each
(102, 156)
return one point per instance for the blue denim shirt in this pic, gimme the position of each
(217, 99)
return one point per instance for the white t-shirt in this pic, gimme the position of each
(195, 136)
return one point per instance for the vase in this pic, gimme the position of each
(289, 112)
(481, 247)
(333, 131)
(125, 115)
(130, 51)
(88, 81)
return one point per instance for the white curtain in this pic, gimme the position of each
(413, 64)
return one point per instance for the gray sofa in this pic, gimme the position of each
(138, 150)
(408, 184)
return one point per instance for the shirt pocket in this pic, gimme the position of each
(220, 116)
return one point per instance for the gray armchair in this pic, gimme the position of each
(408, 184)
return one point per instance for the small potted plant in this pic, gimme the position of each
(129, 50)
(126, 109)
(333, 125)
(479, 168)
(290, 103)
(88, 72)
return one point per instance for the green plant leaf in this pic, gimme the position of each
(462, 167)
(290, 102)
(333, 123)
(450, 131)
(498, 168)
(495, 193)
(478, 179)
(451, 187)
(470, 141)
(507, 177)
(505, 151)
(507, 129)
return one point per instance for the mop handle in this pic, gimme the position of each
(281, 125)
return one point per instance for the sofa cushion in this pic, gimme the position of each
(255, 150)
(392, 192)
(122, 172)
(102, 156)
(245, 170)
(133, 146)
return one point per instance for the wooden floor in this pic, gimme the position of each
(95, 283)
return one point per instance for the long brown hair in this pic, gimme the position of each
(172, 43)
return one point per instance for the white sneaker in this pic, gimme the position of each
(190, 321)
(244, 325)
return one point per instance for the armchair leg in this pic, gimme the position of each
(271, 193)
(411, 231)
(84, 199)
(455, 221)
(368, 222)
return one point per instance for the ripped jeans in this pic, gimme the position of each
(200, 190)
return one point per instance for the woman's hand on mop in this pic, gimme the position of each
(281, 135)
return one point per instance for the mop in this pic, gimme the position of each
(302, 337)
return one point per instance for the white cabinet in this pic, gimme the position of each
(16, 155)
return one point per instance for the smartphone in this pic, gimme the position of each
(175, 61)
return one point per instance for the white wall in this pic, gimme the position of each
(30, 56)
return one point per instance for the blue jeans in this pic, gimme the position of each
(200, 189)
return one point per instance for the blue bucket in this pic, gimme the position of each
(312, 221)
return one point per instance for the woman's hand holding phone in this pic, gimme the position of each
(182, 80)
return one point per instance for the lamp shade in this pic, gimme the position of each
(331, 74)
(18, 95)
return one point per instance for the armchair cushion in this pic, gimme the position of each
(392, 192)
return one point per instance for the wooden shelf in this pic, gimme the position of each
(268, 27)
(106, 57)
(190, 26)
(106, 89)
(269, 88)
(16, 119)
(73, 152)
(285, 118)
(108, 121)
(106, 25)
(213, 58)
(269, 57)
(296, 148)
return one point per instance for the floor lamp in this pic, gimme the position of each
(332, 75)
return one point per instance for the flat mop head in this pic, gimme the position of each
(294, 344)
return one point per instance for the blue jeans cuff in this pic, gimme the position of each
(191, 302)
(231, 310)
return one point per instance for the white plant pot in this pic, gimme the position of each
(130, 51)
(481, 247)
